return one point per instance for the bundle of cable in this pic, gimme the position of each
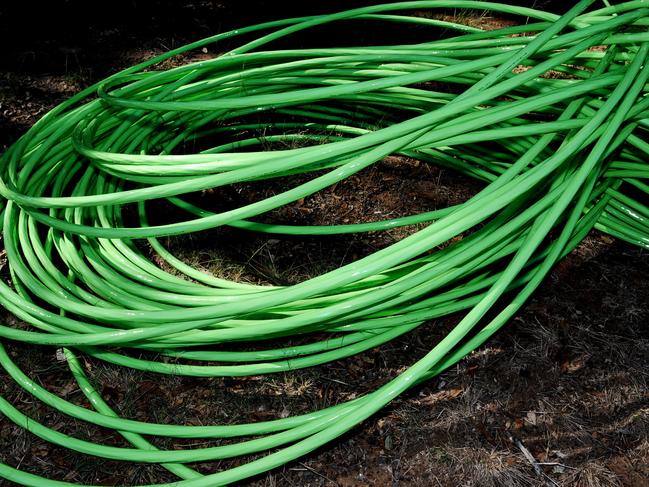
(556, 156)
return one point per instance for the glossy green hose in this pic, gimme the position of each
(551, 117)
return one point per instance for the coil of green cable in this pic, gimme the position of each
(557, 156)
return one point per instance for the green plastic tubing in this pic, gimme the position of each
(552, 118)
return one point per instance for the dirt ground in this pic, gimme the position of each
(566, 379)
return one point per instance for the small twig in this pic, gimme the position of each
(527, 454)
(556, 464)
(530, 458)
(318, 474)
(336, 381)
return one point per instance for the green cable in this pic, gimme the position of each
(556, 157)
